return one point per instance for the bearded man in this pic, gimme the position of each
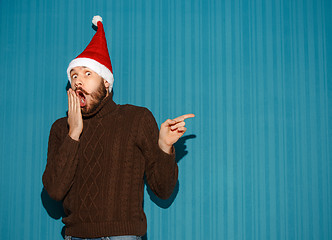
(100, 153)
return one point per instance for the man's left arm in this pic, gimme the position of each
(161, 170)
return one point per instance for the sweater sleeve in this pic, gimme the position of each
(161, 169)
(61, 162)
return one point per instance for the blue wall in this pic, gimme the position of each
(255, 162)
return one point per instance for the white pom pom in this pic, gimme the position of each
(96, 19)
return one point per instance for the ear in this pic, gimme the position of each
(106, 84)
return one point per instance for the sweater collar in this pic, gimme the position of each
(106, 106)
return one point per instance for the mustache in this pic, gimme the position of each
(82, 90)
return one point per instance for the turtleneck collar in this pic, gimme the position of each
(107, 105)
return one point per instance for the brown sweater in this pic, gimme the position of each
(100, 177)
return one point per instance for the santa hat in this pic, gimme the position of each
(95, 56)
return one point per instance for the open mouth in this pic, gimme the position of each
(82, 98)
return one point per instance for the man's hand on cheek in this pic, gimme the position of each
(75, 120)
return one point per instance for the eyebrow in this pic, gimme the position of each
(73, 69)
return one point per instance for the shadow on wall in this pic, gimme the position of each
(55, 208)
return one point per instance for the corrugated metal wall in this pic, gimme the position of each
(255, 162)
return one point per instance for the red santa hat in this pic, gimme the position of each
(95, 56)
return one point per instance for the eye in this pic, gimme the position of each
(88, 73)
(74, 76)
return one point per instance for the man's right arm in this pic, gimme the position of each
(61, 161)
(62, 150)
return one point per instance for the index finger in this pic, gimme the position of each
(183, 117)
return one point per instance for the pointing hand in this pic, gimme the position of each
(171, 131)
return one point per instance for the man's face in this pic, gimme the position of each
(89, 87)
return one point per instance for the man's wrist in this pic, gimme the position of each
(165, 147)
(74, 136)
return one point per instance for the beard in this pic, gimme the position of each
(96, 98)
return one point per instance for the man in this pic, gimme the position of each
(99, 154)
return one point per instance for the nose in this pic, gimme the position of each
(77, 82)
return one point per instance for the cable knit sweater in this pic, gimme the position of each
(100, 177)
